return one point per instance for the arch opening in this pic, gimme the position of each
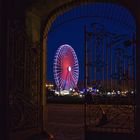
(107, 29)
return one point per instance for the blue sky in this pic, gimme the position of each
(72, 33)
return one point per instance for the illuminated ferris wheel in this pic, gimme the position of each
(66, 68)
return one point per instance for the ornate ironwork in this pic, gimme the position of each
(23, 81)
(111, 58)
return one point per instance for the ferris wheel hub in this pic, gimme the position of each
(69, 68)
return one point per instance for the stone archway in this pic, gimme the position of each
(40, 17)
(66, 7)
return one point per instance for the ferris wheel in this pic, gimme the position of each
(66, 68)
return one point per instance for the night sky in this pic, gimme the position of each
(72, 32)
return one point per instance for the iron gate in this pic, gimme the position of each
(110, 80)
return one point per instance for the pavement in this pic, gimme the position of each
(66, 121)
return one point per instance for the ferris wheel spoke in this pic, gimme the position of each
(74, 73)
(74, 80)
(66, 79)
(57, 70)
(71, 81)
(58, 73)
(61, 82)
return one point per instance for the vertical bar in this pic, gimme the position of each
(134, 78)
(124, 73)
(41, 89)
(85, 77)
(102, 61)
(110, 67)
(95, 54)
(106, 65)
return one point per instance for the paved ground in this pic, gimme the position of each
(66, 122)
(120, 118)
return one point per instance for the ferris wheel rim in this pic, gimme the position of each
(73, 69)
